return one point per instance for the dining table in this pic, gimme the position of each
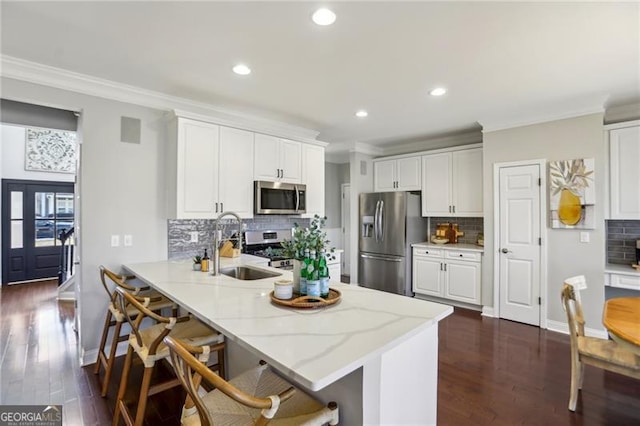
(621, 318)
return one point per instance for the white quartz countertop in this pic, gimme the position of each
(612, 268)
(313, 347)
(470, 247)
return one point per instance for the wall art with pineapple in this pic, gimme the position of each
(572, 193)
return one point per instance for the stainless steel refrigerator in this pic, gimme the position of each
(389, 222)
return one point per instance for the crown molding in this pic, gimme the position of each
(364, 148)
(492, 126)
(59, 78)
(435, 143)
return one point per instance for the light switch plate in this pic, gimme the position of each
(584, 237)
(128, 240)
(115, 240)
(194, 236)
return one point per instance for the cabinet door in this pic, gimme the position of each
(290, 161)
(197, 170)
(236, 176)
(409, 174)
(463, 281)
(466, 189)
(334, 272)
(384, 175)
(436, 185)
(625, 173)
(313, 169)
(266, 158)
(427, 276)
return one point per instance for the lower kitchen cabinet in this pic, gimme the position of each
(453, 274)
(334, 265)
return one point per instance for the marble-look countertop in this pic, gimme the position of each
(470, 247)
(313, 347)
(612, 268)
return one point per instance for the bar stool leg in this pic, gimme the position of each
(144, 395)
(112, 356)
(103, 341)
(120, 405)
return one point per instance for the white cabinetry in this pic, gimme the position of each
(447, 273)
(452, 183)
(335, 270)
(277, 159)
(209, 172)
(402, 174)
(621, 276)
(624, 171)
(313, 170)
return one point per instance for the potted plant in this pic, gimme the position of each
(197, 263)
(311, 238)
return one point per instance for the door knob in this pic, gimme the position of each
(505, 250)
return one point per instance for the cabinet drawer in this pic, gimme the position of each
(625, 281)
(463, 255)
(427, 252)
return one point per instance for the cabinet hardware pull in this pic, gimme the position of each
(449, 209)
(216, 207)
(454, 209)
(221, 207)
(461, 255)
(445, 267)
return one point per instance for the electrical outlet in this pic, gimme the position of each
(584, 237)
(115, 240)
(194, 236)
(128, 240)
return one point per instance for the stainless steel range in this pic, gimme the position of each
(267, 244)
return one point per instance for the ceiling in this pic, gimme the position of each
(501, 62)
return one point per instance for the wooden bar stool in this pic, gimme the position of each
(148, 345)
(115, 318)
(256, 397)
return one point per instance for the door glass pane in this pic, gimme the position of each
(16, 205)
(64, 205)
(16, 234)
(45, 233)
(45, 205)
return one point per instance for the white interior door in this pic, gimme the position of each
(346, 227)
(519, 237)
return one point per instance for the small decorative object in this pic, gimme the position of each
(50, 150)
(311, 238)
(439, 240)
(480, 241)
(572, 193)
(197, 263)
(283, 289)
(205, 262)
(309, 302)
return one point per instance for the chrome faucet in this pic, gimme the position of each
(215, 252)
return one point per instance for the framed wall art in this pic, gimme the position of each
(572, 193)
(50, 150)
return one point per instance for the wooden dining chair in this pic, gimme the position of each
(148, 345)
(256, 397)
(115, 318)
(601, 353)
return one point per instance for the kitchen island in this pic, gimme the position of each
(374, 353)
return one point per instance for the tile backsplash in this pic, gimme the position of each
(471, 226)
(179, 232)
(621, 241)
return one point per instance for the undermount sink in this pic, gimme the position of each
(246, 273)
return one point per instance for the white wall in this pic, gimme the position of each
(13, 157)
(122, 192)
(335, 175)
(361, 177)
(580, 137)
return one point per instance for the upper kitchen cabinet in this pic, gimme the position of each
(401, 174)
(235, 175)
(276, 159)
(313, 169)
(624, 172)
(208, 173)
(452, 183)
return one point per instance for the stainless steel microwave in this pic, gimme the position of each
(279, 198)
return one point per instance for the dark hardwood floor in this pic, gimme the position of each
(492, 372)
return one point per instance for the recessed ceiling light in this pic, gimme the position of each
(242, 69)
(438, 91)
(323, 17)
(362, 113)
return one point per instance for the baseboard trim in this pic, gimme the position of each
(90, 357)
(563, 327)
(488, 311)
(67, 296)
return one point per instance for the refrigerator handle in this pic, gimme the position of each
(375, 221)
(381, 219)
(385, 258)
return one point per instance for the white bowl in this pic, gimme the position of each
(437, 240)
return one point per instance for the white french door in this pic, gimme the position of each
(519, 248)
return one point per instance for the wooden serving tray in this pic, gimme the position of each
(309, 302)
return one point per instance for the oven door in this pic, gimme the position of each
(279, 198)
